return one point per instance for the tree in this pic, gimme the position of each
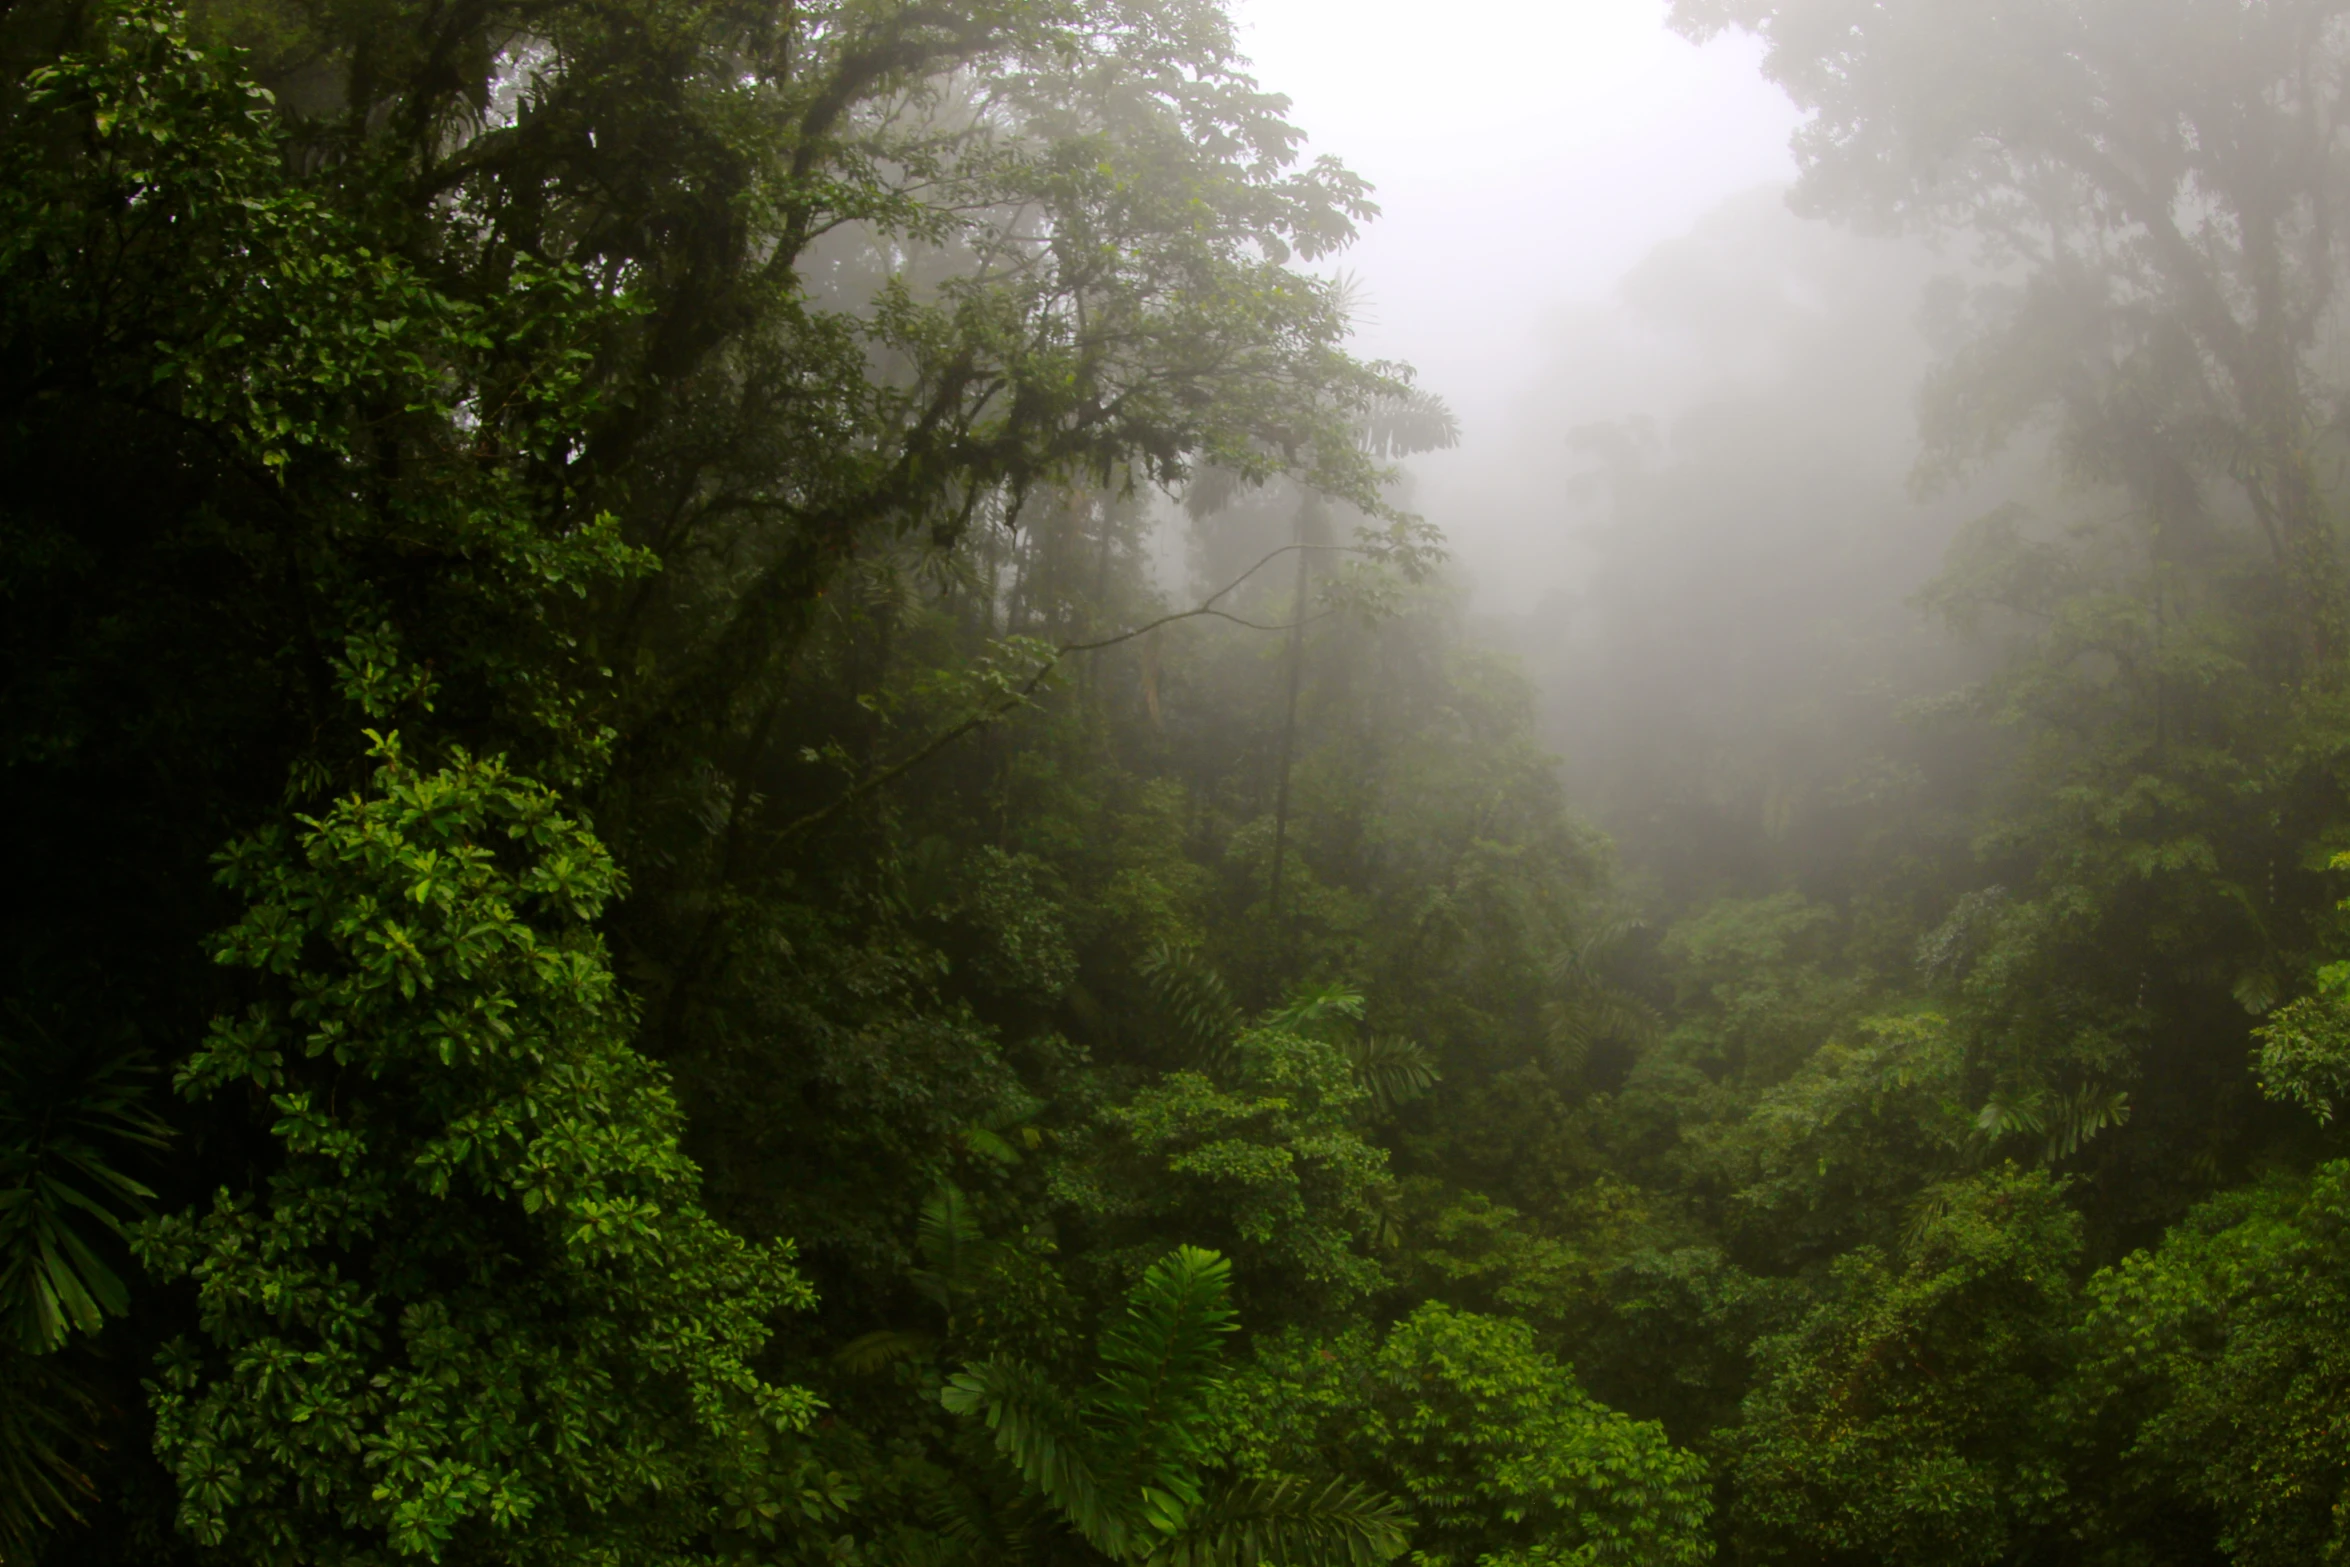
(2148, 198)
(2215, 1369)
(2159, 186)
(1902, 1422)
(1501, 1457)
(475, 1307)
(528, 380)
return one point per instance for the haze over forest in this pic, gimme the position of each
(1024, 783)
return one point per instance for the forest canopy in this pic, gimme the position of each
(750, 825)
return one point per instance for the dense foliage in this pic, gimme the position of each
(653, 924)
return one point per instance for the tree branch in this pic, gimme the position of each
(1018, 697)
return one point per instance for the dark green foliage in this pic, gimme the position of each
(46, 1416)
(1271, 1164)
(64, 1134)
(1904, 1420)
(1283, 1519)
(1121, 1462)
(69, 1124)
(476, 1300)
(1197, 1007)
(2223, 1353)
(1392, 1071)
(760, 431)
(1500, 1456)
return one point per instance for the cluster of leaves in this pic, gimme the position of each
(477, 1300)
(1123, 1462)
(428, 431)
(1939, 1187)
(1499, 1454)
(741, 426)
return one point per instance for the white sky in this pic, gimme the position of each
(1526, 153)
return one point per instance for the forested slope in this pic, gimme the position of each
(650, 921)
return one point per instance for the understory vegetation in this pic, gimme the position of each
(747, 825)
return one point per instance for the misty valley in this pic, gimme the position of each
(776, 795)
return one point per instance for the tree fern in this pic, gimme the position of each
(1194, 1001)
(1121, 1464)
(1394, 1071)
(1038, 1429)
(1586, 1007)
(946, 1233)
(1282, 1520)
(1323, 1011)
(2064, 1123)
(1159, 1370)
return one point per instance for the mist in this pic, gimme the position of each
(1175, 783)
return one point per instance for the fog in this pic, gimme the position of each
(1525, 158)
(1682, 497)
(771, 799)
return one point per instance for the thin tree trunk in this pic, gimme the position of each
(1297, 660)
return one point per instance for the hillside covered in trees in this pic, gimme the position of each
(747, 822)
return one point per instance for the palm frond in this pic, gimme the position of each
(1159, 1366)
(2064, 1123)
(1586, 1007)
(1927, 1209)
(2082, 1116)
(1212, 488)
(1319, 1010)
(57, 1178)
(1121, 1466)
(1285, 1521)
(868, 1353)
(1395, 1071)
(1411, 419)
(44, 1412)
(1193, 999)
(946, 1233)
(1159, 1359)
(1038, 1430)
(985, 1142)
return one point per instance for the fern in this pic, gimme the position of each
(1160, 1368)
(1394, 1071)
(1317, 1010)
(1193, 999)
(879, 1350)
(1038, 1429)
(946, 1232)
(1284, 1521)
(2064, 1123)
(1586, 1007)
(1121, 1464)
